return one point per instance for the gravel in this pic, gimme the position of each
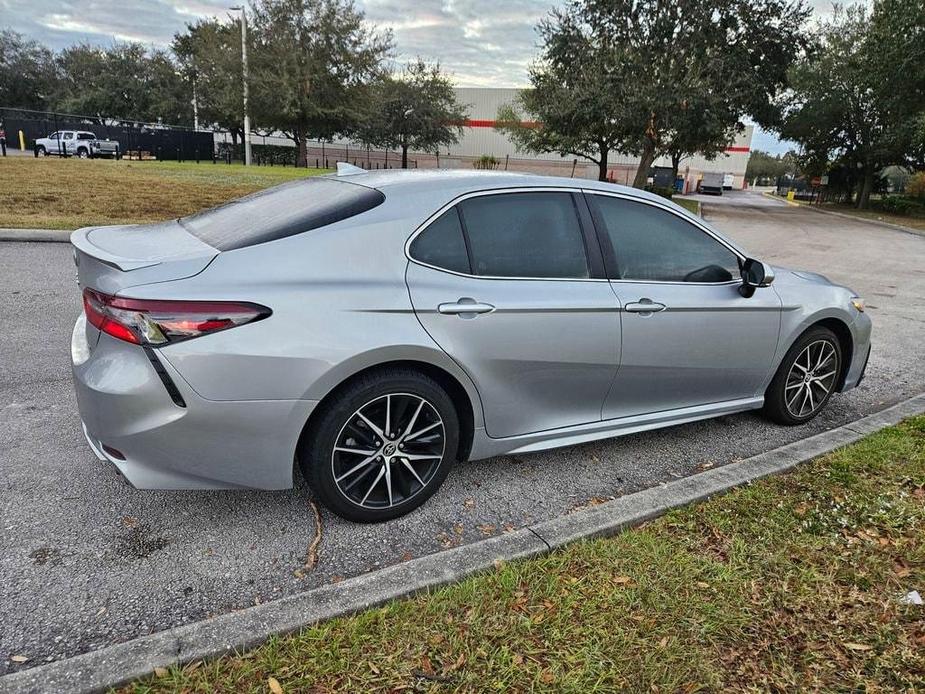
(88, 561)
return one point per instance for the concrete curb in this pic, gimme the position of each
(36, 235)
(119, 664)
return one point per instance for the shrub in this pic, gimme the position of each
(664, 191)
(486, 161)
(898, 205)
(915, 186)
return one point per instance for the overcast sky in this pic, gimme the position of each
(480, 42)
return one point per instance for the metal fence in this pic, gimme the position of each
(135, 138)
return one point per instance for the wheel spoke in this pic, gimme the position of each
(421, 431)
(414, 417)
(413, 472)
(388, 418)
(416, 456)
(361, 464)
(371, 425)
(373, 485)
(388, 480)
(357, 451)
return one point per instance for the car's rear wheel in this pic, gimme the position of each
(382, 446)
(83, 153)
(806, 378)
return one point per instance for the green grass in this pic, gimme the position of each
(917, 223)
(792, 583)
(53, 193)
(692, 206)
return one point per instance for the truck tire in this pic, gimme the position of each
(40, 151)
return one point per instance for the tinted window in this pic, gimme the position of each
(85, 136)
(442, 244)
(280, 211)
(654, 244)
(524, 235)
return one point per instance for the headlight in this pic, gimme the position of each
(858, 303)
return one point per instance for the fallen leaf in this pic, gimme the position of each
(19, 658)
(858, 646)
(702, 584)
(426, 666)
(130, 521)
(469, 503)
(547, 677)
(622, 580)
(663, 642)
(517, 659)
(274, 685)
(160, 672)
(406, 556)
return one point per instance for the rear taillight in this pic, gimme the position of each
(159, 322)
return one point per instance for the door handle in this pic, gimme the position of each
(644, 306)
(465, 306)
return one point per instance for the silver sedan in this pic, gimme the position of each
(374, 328)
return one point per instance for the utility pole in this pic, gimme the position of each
(247, 119)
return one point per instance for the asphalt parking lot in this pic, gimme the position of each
(89, 561)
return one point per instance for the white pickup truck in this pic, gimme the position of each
(76, 143)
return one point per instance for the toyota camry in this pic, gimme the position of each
(373, 328)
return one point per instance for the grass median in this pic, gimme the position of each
(795, 582)
(53, 193)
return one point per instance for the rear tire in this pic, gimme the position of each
(82, 153)
(365, 473)
(805, 379)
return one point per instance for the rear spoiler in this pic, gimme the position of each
(80, 240)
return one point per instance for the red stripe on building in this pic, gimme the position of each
(490, 123)
(475, 123)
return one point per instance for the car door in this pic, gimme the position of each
(67, 142)
(689, 336)
(510, 284)
(54, 143)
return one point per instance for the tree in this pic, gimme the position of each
(762, 165)
(209, 56)
(313, 66)
(27, 73)
(654, 77)
(416, 109)
(124, 81)
(858, 102)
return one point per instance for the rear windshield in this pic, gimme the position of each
(281, 211)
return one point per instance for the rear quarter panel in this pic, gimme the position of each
(340, 304)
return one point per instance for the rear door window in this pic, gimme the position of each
(530, 235)
(442, 244)
(281, 211)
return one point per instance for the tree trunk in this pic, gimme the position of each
(645, 163)
(404, 155)
(675, 165)
(602, 164)
(301, 160)
(867, 187)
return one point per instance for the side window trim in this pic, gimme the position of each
(610, 256)
(596, 266)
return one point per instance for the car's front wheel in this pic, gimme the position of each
(382, 447)
(806, 378)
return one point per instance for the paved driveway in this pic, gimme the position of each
(88, 561)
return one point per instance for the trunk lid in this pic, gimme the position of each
(112, 258)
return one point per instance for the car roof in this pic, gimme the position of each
(461, 181)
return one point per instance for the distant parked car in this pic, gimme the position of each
(76, 143)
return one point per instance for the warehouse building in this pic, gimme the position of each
(480, 138)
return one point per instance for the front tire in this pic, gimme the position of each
(805, 379)
(382, 446)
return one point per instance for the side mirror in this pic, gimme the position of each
(755, 274)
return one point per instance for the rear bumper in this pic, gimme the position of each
(126, 409)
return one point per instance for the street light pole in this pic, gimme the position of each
(247, 118)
